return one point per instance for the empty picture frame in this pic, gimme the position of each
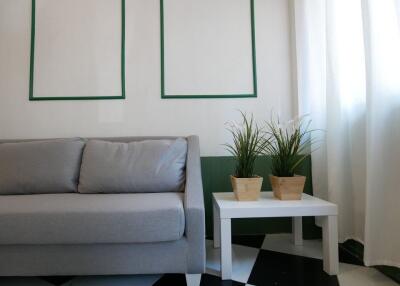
(77, 50)
(208, 49)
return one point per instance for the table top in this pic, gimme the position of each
(269, 206)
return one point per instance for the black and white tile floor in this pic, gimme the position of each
(257, 260)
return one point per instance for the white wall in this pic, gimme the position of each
(143, 112)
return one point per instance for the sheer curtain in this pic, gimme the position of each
(348, 73)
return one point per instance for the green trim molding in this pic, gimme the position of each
(199, 96)
(32, 63)
(216, 172)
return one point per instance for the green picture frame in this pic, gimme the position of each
(32, 63)
(202, 96)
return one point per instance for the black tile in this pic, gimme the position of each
(351, 251)
(246, 240)
(249, 240)
(211, 280)
(171, 279)
(206, 280)
(390, 271)
(57, 280)
(347, 256)
(279, 269)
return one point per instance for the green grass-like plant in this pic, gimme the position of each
(288, 145)
(248, 144)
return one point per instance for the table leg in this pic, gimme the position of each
(330, 244)
(217, 227)
(226, 249)
(297, 230)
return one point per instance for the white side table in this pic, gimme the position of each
(226, 207)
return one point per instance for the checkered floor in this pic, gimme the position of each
(257, 260)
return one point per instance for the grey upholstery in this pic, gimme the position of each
(95, 259)
(144, 166)
(185, 255)
(194, 207)
(96, 218)
(40, 167)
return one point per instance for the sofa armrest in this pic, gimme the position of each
(194, 208)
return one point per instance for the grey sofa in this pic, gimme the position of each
(50, 228)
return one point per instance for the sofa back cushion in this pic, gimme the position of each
(40, 167)
(135, 167)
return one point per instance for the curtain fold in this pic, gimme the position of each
(382, 38)
(348, 73)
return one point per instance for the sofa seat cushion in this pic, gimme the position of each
(91, 218)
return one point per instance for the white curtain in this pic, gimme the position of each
(348, 79)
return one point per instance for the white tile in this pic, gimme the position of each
(123, 280)
(283, 243)
(353, 275)
(23, 281)
(243, 259)
(193, 279)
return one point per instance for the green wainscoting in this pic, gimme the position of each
(216, 172)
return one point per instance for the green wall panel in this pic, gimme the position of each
(216, 172)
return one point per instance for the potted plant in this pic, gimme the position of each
(247, 145)
(288, 145)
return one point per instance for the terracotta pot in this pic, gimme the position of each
(288, 188)
(247, 189)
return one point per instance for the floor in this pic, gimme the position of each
(257, 260)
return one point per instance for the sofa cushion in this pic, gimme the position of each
(91, 218)
(142, 166)
(35, 167)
